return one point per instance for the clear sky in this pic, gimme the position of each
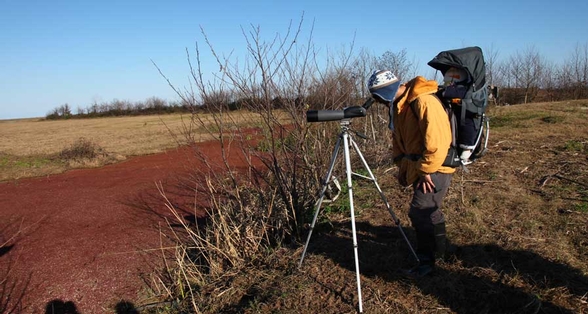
(80, 52)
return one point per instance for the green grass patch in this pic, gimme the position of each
(518, 119)
(364, 197)
(553, 119)
(24, 162)
(4, 161)
(581, 207)
(575, 146)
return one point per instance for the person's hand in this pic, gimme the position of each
(426, 184)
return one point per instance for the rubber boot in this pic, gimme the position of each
(441, 242)
(426, 255)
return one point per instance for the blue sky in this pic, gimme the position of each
(79, 52)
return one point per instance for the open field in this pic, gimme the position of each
(30, 147)
(121, 135)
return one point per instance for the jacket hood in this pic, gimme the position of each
(414, 88)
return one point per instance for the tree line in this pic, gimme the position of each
(527, 76)
(524, 77)
(153, 105)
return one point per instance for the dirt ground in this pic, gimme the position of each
(79, 238)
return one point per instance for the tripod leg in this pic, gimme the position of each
(346, 139)
(383, 197)
(319, 202)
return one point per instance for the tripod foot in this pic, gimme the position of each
(420, 271)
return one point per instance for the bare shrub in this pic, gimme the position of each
(253, 211)
(84, 153)
(82, 148)
(218, 247)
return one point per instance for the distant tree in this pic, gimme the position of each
(155, 103)
(139, 107)
(104, 108)
(118, 107)
(362, 68)
(336, 89)
(526, 68)
(222, 99)
(94, 108)
(61, 112)
(65, 111)
(53, 114)
(491, 58)
(574, 78)
(397, 62)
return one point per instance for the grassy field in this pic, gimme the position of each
(122, 135)
(32, 147)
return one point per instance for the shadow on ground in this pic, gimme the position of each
(125, 307)
(482, 278)
(58, 306)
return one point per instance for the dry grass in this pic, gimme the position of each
(126, 136)
(519, 217)
(31, 147)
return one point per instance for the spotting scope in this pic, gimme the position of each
(334, 115)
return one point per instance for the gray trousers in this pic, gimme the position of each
(426, 216)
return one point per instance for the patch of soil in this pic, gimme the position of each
(81, 239)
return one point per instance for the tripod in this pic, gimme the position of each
(347, 140)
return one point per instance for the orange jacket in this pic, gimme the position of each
(420, 145)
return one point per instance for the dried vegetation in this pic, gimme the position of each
(518, 217)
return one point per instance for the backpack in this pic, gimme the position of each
(453, 158)
(465, 103)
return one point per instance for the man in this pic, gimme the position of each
(421, 137)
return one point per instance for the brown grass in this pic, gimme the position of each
(127, 136)
(31, 147)
(519, 218)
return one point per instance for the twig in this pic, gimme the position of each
(544, 181)
(20, 231)
(574, 199)
(461, 189)
(574, 181)
(481, 181)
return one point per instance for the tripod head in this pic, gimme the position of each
(335, 115)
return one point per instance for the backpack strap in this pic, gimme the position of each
(452, 160)
(449, 111)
